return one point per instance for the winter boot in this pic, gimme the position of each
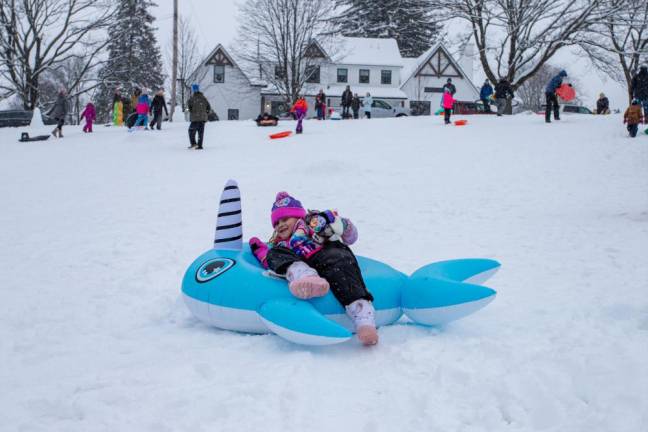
(362, 314)
(304, 282)
(192, 146)
(55, 132)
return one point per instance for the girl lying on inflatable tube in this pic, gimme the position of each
(331, 293)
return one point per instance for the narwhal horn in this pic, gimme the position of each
(229, 226)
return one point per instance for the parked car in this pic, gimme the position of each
(476, 107)
(569, 108)
(382, 109)
(17, 118)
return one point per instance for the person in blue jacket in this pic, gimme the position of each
(551, 98)
(485, 93)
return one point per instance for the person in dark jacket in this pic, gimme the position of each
(347, 98)
(485, 94)
(640, 88)
(551, 98)
(448, 85)
(199, 110)
(157, 105)
(58, 112)
(320, 105)
(503, 93)
(602, 105)
(355, 106)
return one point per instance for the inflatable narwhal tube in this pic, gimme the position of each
(226, 287)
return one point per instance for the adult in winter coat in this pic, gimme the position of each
(503, 92)
(355, 105)
(199, 110)
(551, 98)
(320, 105)
(89, 114)
(448, 85)
(366, 105)
(640, 88)
(134, 100)
(157, 105)
(602, 105)
(58, 112)
(347, 98)
(485, 94)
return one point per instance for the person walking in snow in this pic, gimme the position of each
(320, 105)
(451, 87)
(58, 112)
(447, 103)
(199, 110)
(299, 109)
(602, 105)
(347, 98)
(157, 105)
(551, 98)
(89, 114)
(366, 105)
(355, 106)
(142, 108)
(503, 93)
(118, 109)
(485, 95)
(640, 89)
(632, 117)
(311, 249)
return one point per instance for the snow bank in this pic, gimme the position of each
(97, 230)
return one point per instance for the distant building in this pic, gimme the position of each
(367, 65)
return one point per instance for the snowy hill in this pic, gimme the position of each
(97, 231)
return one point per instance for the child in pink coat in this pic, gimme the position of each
(447, 102)
(89, 115)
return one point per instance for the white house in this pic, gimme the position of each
(230, 92)
(367, 65)
(426, 75)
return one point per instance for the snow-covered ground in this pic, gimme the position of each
(97, 230)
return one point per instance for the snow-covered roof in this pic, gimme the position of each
(367, 51)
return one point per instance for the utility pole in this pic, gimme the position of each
(174, 67)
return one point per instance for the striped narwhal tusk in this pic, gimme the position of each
(229, 226)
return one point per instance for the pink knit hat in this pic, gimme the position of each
(286, 206)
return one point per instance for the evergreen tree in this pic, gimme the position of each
(411, 22)
(134, 58)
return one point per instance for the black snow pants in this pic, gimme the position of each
(196, 127)
(552, 104)
(335, 263)
(157, 120)
(633, 129)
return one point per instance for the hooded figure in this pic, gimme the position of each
(89, 115)
(551, 98)
(602, 105)
(58, 112)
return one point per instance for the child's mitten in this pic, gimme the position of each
(260, 250)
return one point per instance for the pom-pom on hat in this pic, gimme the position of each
(195, 88)
(286, 206)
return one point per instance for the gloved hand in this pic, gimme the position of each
(260, 250)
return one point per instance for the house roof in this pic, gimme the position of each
(367, 51)
(411, 66)
(208, 58)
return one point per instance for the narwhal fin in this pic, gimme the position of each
(229, 226)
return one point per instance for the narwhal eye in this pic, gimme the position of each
(213, 268)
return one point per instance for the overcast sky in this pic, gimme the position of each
(215, 22)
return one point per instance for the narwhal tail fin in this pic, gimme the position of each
(229, 226)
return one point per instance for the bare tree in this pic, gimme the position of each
(275, 36)
(618, 44)
(189, 55)
(41, 35)
(515, 38)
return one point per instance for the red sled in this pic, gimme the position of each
(566, 92)
(283, 134)
(461, 122)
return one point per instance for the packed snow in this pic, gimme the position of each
(97, 231)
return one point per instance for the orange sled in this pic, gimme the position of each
(461, 122)
(283, 134)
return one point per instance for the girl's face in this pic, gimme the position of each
(284, 227)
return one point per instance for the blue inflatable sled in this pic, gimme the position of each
(227, 288)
